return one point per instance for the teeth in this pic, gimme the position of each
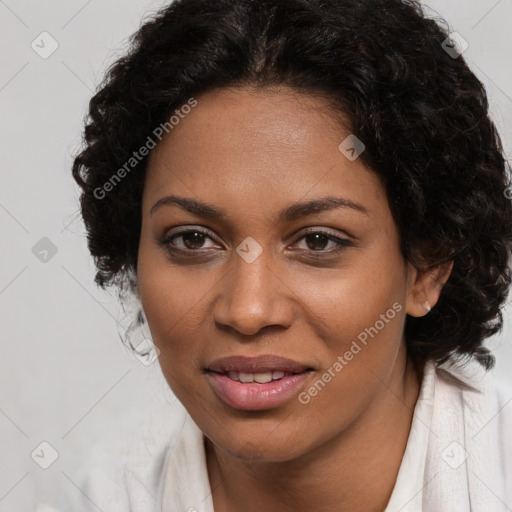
(246, 377)
(233, 375)
(261, 378)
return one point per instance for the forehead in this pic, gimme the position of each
(265, 119)
(262, 147)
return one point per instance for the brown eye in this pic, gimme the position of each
(316, 240)
(193, 239)
(190, 240)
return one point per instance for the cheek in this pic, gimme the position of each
(171, 311)
(363, 300)
(357, 324)
(174, 299)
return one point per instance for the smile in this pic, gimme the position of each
(257, 391)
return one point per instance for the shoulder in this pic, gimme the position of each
(473, 420)
(125, 473)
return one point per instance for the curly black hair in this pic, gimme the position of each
(421, 113)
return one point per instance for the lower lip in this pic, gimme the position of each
(254, 396)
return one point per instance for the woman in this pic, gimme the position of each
(309, 199)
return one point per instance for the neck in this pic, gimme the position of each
(355, 470)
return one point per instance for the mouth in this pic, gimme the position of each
(260, 377)
(259, 383)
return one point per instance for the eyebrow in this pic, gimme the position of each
(289, 214)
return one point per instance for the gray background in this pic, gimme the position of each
(65, 377)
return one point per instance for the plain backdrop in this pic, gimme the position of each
(65, 378)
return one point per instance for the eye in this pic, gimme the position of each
(189, 240)
(318, 241)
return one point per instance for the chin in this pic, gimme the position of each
(261, 441)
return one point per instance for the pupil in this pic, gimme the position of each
(197, 238)
(318, 238)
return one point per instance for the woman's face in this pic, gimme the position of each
(248, 263)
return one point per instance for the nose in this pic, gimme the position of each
(252, 297)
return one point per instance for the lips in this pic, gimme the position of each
(260, 364)
(258, 383)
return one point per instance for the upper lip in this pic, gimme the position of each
(260, 364)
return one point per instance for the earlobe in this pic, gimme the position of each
(425, 288)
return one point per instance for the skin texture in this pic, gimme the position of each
(253, 153)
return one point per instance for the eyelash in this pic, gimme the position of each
(342, 243)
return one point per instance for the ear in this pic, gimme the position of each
(425, 286)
